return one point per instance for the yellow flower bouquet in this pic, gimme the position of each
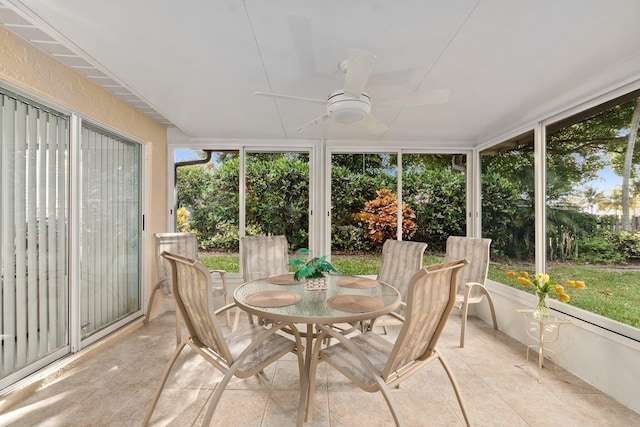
(544, 285)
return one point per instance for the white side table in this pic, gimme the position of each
(536, 328)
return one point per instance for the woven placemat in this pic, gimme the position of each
(282, 279)
(355, 303)
(356, 282)
(272, 298)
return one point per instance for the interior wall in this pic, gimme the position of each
(602, 358)
(28, 68)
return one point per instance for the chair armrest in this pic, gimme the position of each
(225, 290)
(472, 284)
(162, 282)
(225, 308)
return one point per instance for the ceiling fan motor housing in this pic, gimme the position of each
(348, 109)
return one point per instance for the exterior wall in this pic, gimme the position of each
(25, 66)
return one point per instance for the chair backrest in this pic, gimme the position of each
(400, 260)
(264, 256)
(430, 298)
(477, 252)
(185, 244)
(191, 285)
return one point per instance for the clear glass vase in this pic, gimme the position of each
(542, 309)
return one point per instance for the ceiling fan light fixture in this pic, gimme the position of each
(348, 116)
(346, 109)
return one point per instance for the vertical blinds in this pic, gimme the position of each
(34, 175)
(109, 228)
(35, 291)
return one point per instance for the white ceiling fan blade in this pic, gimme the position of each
(294, 98)
(373, 124)
(313, 122)
(432, 97)
(359, 68)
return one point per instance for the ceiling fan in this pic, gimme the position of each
(352, 104)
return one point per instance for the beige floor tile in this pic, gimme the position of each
(113, 386)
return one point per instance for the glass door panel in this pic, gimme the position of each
(363, 209)
(434, 195)
(208, 195)
(277, 196)
(110, 210)
(508, 206)
(34, 286)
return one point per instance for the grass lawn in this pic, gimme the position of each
(610, 292)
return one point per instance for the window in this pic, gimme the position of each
(508, 202)
(592, 195)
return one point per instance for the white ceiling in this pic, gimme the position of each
(196, 64)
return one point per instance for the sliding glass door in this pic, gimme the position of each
(109, 229)
(277, 196)
(34, 292)
(223, 192)
(41, 319)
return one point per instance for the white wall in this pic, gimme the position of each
(604, 359)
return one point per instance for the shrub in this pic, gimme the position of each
(183, 220)
(599, 250)
(349, 238)
(609, 247)
(379, 218)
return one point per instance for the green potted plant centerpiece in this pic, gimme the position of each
(312, 270)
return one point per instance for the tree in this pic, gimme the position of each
(592, 197)
(628, 162)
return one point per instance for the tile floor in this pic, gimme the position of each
(112, 386)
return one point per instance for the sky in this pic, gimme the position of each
(606, 181)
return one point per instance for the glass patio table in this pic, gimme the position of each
(347, 299)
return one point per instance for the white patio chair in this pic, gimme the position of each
(399, 262)
(242, 353)
(471, 280)
(373, 363)
(185, 244)
(262, 256)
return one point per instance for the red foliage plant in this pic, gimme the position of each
(379, 218)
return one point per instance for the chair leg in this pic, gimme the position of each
(456, 388)
(150, 303)
(163, 381)
(220, 388)
(217, 394)
(463, 323)
(384, 389)
(236, 319)
(493, 311)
